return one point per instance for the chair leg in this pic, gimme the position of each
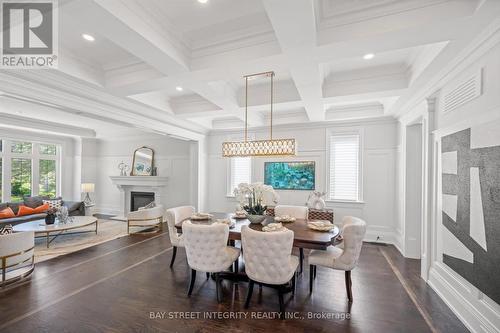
(293, 285)
(174, 253)
(217, 287)
(301, 254)
(249, 293)
(311, 277)
(282, 303)
(315, 269)
(191, 283)
(208, 275)
(348, 285)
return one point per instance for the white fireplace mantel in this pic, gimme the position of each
(128, 184)
(152, 181)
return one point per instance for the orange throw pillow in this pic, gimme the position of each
(41, 209)
(25, 210)
(7, 213)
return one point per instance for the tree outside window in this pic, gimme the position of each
(20, 178)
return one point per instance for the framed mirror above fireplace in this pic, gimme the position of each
(143, 162)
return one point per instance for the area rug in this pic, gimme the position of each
(107, 230)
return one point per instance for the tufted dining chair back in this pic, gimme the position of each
(268, 256)
(353, 232)
(206, 246)
(175, 215)
(299, 212)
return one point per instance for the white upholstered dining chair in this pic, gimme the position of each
(269, 261)
(207, 250)
(149, 217)
(298, 212)
(16, 256)
(174, 216)
(343, 257)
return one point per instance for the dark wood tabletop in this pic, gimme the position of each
(303, 236)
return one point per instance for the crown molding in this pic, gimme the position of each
(329, 16)
(309, 126)
(30, 124)
(64, 93)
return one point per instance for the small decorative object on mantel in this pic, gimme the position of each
(51, 216)
(316, 201)
(124, 169)
(253, 198)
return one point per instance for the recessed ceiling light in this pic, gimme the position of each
(179, 88)
(88, 37)
(368, 56)
(202, 1)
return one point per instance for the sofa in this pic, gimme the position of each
(75, 208)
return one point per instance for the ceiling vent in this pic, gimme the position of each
(463, 92)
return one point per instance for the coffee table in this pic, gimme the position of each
(52, 231)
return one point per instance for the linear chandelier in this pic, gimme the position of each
(270, 147)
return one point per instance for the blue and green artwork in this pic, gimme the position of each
(290, 175)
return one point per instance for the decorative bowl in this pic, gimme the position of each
(325, 226)
(284, 218)
(256, 219)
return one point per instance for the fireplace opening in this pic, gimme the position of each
(140, 199)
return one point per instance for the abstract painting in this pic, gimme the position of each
(290, 175)
(471, 206)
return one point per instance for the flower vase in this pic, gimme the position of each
(50, 219)
(256, 219)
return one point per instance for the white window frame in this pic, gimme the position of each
(229, 173)
(7, 155)
(345, 131)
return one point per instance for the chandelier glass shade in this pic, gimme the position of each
(270, 147)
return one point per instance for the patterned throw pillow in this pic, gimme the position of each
(6, 230)
(56, 203)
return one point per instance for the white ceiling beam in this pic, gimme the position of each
(295, 27)
(117, 21)
(114, 20)
(336, 50)
(42, 126)
(77, 98)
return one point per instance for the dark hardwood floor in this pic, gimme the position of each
(118, 285)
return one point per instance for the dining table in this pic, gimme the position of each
(304, 237)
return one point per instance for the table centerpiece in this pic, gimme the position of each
(254, 198)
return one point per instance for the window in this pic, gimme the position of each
(20, 180)
(344, 167)
(47, 149)
(47, 179)
(28, 168)
(240, 172)
(21, 147)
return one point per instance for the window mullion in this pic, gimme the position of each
(35, 170)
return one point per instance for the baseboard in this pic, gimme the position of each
(464, 300)
(380, 234)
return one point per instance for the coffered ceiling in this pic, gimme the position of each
(181, 62)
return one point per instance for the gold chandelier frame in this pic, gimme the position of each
(270, 147)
